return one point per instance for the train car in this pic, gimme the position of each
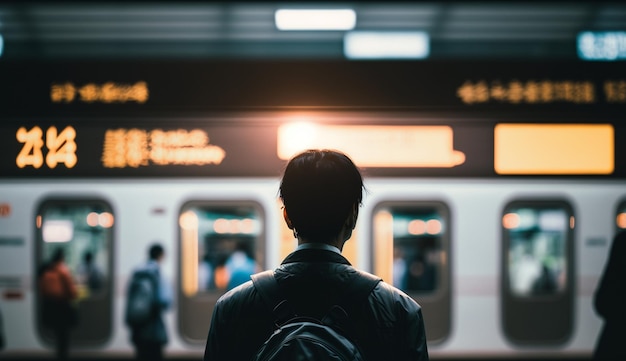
(494, 190)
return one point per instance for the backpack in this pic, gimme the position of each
(142, 303)
(306, 338)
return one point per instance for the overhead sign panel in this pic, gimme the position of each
(554, 149)
(375, 146)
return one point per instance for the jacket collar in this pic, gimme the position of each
(315, 255)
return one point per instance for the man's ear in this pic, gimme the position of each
(351, 221)
(287, 220)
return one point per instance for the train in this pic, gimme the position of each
(495, 215)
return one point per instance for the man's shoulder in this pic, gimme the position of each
(241, 293)
(391, 296)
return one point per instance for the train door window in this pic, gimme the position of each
(411, 248)
(537, 271)
(83, 231)
(620, 218)
(221, 245)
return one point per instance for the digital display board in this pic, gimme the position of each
(245, 119)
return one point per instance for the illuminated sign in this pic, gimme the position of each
(606, 45)
(375, 146)
(106, 93)
(137, 147)
(554, 149)
(531, 92)
(61, 147)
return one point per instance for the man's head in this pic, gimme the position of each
(321, 191)
(156, 252)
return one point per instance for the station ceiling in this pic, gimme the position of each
(204, 30)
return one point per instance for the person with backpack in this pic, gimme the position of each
(315, 305)
(148, 295)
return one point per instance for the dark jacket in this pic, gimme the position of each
(609, 301)
(389, 324)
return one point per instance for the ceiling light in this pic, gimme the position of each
(315, 19)
(386, 45)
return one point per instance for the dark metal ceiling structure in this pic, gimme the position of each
(204, 30)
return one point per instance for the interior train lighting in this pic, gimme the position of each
(604, 45)
(386, 45)
(1, 45)
(189, 236)
(375, 146)
(105, 220)
(57, 231)
(554, 149)
(315, 19)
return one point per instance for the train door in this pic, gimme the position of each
(221, 244)
(83, 231)
(411, 249)
(537, 292)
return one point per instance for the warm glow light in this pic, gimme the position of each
(105, 220)
(511, 220)
(621, 220)
(315, 19)
(221, 226)
(433, 226)
(38, 221)
(188, 221)
(247, 225)
(416, 227)
(386, 45)
(572, 222)
(92, 219)
(383, 245)
(554, 149)
(375, 146)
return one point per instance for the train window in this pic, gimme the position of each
(83, 230)
(221, 245)
(620, 219)
(537, 274)
(411, 247)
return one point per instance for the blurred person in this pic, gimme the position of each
(149, 336)
(321, 191)
(609, 303)
(89, 274)
(240, 266)
(58, 292)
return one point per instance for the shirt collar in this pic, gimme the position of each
(318, 245)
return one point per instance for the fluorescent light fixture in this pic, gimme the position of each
(315, 19)
(57, 231)
(1, 45)
(386, 45)
(606, 45)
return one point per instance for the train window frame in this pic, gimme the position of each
(103, 300)
(516, 310)
(439, 301)
(207, 299)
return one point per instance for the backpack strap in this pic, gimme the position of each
(268, 288)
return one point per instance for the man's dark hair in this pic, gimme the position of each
(156, 251)
(319, 190)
